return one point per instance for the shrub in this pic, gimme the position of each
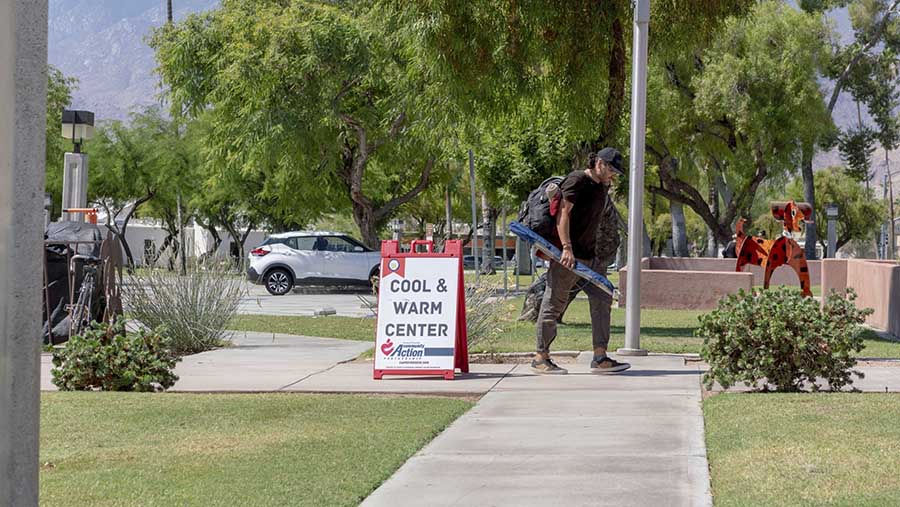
(194, 309)
(105, 357)
(485, 315)
(779, 337)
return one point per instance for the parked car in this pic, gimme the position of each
(469, 261)
(312, 258)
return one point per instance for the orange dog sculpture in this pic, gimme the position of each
(772, 253)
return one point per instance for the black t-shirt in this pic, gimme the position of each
(589, 199)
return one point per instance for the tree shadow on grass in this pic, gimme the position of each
(655, 331)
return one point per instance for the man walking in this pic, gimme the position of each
(582, 208)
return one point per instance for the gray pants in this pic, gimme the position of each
(560, 282)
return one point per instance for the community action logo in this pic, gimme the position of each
(403, 351)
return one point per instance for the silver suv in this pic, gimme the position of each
(311, 258)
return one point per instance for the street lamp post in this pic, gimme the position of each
(78, 126)
(831, 212)
(636, 180)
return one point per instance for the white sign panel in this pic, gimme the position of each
(417, 298)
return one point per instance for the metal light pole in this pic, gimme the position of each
(474, 213)
(23, 109)
(636, 188)
(505, 234)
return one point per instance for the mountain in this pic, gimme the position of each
(103, 44)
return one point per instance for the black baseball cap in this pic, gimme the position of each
(613, 158)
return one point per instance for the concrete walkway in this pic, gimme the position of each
(580, 439)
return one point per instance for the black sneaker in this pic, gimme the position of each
(606, 365)
(547, 367)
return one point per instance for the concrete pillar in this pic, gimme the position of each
(75, 184)
(832, 238)
(834, 276)
(23, 110)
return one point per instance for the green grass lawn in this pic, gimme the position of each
(347, 328)
(122, 449)
(661, 330)
(804, 449)
(524, 280)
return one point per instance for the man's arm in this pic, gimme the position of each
(562, 227)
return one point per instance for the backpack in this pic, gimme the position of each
(538, 212)
(607, 239)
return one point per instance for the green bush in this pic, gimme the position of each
(782, 339)
(107, 358)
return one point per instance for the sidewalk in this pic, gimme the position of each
(580, 439)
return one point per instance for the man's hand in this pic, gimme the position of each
(567, 258)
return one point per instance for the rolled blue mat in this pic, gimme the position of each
(596, 279)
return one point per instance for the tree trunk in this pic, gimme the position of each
(129, 257)
(448, 211)
(488, 236)
(712, 246)
(646, 248)
(119, 232)
(809, 195)
(364, 216)
(890, 188)
(210, 227)
(617, 78)
(723, 189)
(181, 241)
(679, 230)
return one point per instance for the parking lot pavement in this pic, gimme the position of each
(259, 302)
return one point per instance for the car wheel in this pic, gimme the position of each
(375, 279)
(279, 282)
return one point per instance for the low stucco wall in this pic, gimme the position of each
(783, 275)
(684, 290)
(699, 284)
(877, 286)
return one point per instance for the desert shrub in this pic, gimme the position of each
(194, 308)
(781, 338)
(107, 358)
(486, 312)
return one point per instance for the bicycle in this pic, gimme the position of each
(80, 312)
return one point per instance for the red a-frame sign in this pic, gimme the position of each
(421, 326)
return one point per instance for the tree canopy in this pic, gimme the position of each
(312, 99)
(739, 111)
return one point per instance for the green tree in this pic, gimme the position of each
(739, 111)
(59, 96)
(313, 99)
(875, 25)
(860, 214)
(548, 79)
(498, 58)
(130, 165)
